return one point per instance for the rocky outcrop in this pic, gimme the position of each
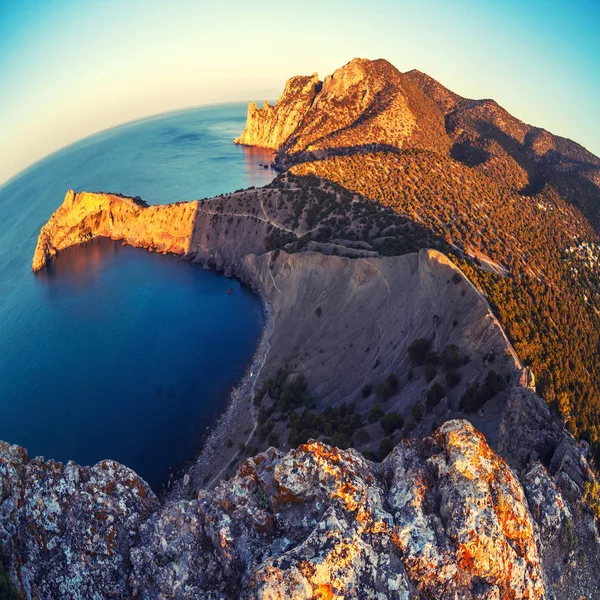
(444, 517)
(83, 216)
(66, 531)
(271, 126)
(217, 233)
(363, 103)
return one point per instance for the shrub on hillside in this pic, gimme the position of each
(476, 396)
(391, 421)
(418, 350)
(375, 414)
(385, 447)
(453, 378)
(451, 358)
(387, 388)
(417, 411)
(434, 394)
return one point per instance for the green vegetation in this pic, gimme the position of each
(548, 300)
(391, 421)
(387, 388)
(7, 589)
(568, 537)
(418, 350)
(339, 424)
(375, 414)
(434, 394)
(591, 496)
(451, 358)
(453, 378)
(385, 447)
(475, 397)
(417, 411)
(430, 372)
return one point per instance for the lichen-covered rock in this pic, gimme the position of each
(463, 523)
(66, 530)
(545, 500)
(442, 518)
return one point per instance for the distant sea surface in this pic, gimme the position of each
(115, 352)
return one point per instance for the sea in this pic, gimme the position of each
(114, 352)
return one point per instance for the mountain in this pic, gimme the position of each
(517, 206)
(364, 103)
(415, 422)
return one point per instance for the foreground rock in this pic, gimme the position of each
(440, 518)
(443, 518)
(65, 530)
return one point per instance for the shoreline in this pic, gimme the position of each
(230, 424)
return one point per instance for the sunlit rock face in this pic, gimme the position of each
(363, 103)
(83, 216)
(442, 518)
(270, 126)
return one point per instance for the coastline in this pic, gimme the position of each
(232, 423)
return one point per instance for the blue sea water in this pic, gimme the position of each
(115, 352)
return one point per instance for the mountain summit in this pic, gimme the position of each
(363, 103)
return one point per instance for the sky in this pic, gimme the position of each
(70, 68)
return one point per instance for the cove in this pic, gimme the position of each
(115, 352)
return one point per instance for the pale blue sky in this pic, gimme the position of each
(69, 68)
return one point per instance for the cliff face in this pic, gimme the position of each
(83, 216)
(360, 315)
(271, 126)
(363, 103)
(442, 518)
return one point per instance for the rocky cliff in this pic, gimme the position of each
(363, 103)
(84, 216)
(271, 126)
(443, 518)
